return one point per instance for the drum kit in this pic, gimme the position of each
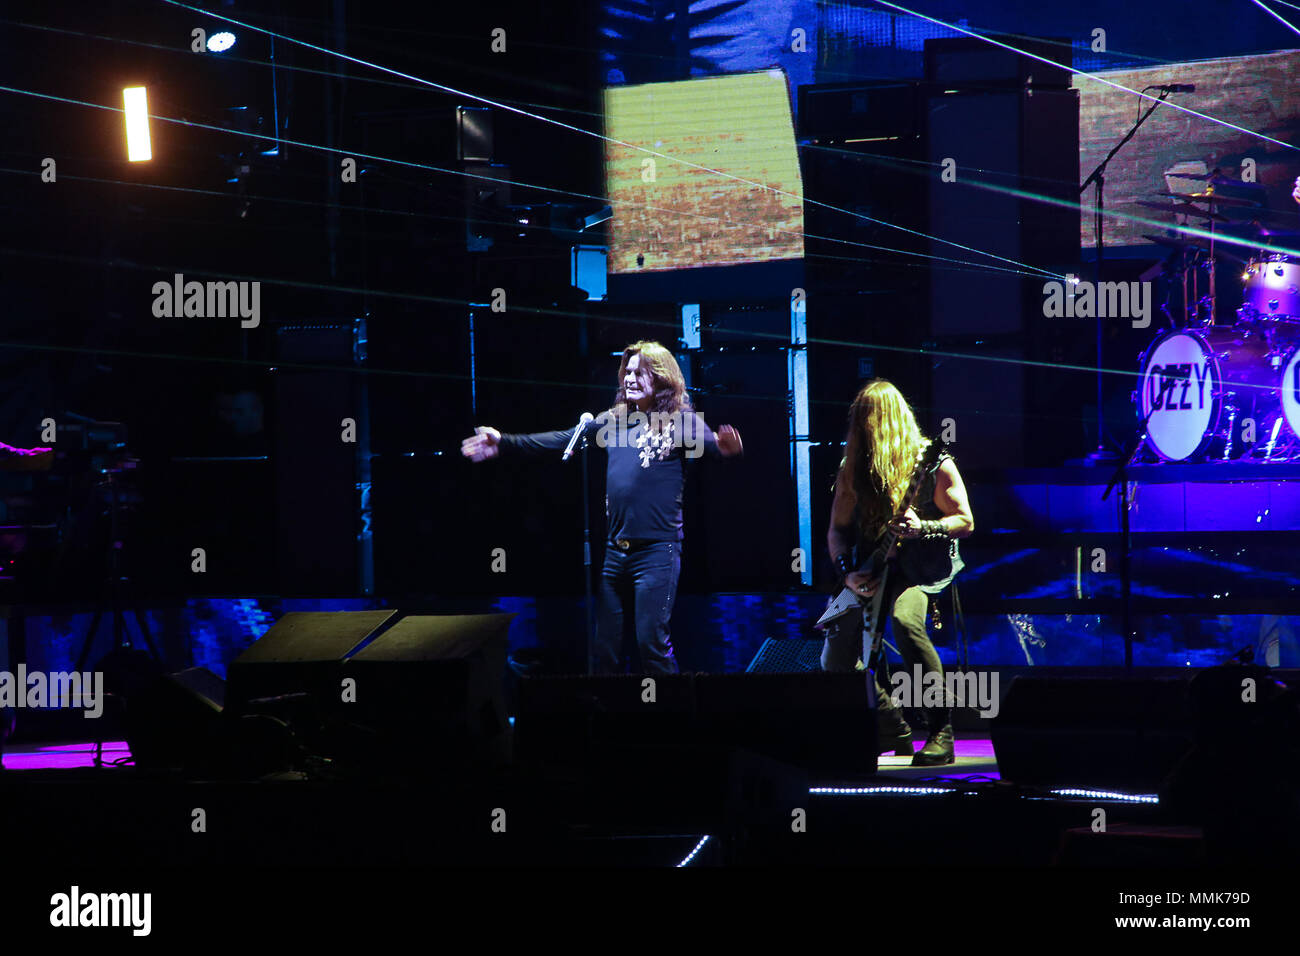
(1224, 391)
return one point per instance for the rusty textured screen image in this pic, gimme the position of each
(671, 215)
(1258, 93)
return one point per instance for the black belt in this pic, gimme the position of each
(628, 544)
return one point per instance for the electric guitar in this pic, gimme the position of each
(879, 562)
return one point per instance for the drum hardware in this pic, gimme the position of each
(1191, 210)
(1177, 242)
(1231, 409)
(1217, 179)
(1187, 254)
(1197, 389)
(1271, 444)
(1222, 392)
(1207, 197)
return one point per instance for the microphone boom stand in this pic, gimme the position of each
(1120, 477)
(586, 555)
(1098, 176)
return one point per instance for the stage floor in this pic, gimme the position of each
(963, 814)
(975, 757)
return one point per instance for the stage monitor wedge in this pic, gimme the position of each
(300, 655)
(314, 636)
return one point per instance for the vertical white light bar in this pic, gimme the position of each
(691, 325)
(138, 147)
(690, 335)
(800, 461)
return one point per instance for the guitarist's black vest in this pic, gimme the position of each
(929, 565)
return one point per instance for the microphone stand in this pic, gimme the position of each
(580, 435)
(1098, 176)
(1120, 477)
(586, 555)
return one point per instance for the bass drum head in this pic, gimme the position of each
(1289, 386)
(1179, 388)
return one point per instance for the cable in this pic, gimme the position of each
(1287, 23)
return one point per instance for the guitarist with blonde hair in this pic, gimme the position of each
(880, 468)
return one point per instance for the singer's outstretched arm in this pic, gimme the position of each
(487, 442)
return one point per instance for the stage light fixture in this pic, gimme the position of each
(136, 105)
(221, 42)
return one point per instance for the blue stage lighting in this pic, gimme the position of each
(220, 42)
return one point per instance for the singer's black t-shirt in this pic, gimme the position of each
(643, 477)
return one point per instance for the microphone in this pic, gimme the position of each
(577, 431)
(1177, 88)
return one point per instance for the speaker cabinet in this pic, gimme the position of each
(1088, 732)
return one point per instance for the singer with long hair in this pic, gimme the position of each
(650, 434)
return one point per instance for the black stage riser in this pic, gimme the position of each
(822, 723)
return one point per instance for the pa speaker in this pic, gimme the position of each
(428, 695)
(1125, 733)
(179, 722)
(175, 720)
(951, 61)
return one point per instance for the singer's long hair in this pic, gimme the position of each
(668, 382)
(880, 455)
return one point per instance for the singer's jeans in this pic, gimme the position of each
(640, 583)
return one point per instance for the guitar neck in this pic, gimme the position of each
(888, 539)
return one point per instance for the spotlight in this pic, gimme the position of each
(136, 108)
(220, 42)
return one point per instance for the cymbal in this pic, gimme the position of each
(1189, 211)
(1208, 198)
(1195, 242)
(1215, 180)
(1174, 242)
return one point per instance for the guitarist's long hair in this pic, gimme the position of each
(882, 447)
